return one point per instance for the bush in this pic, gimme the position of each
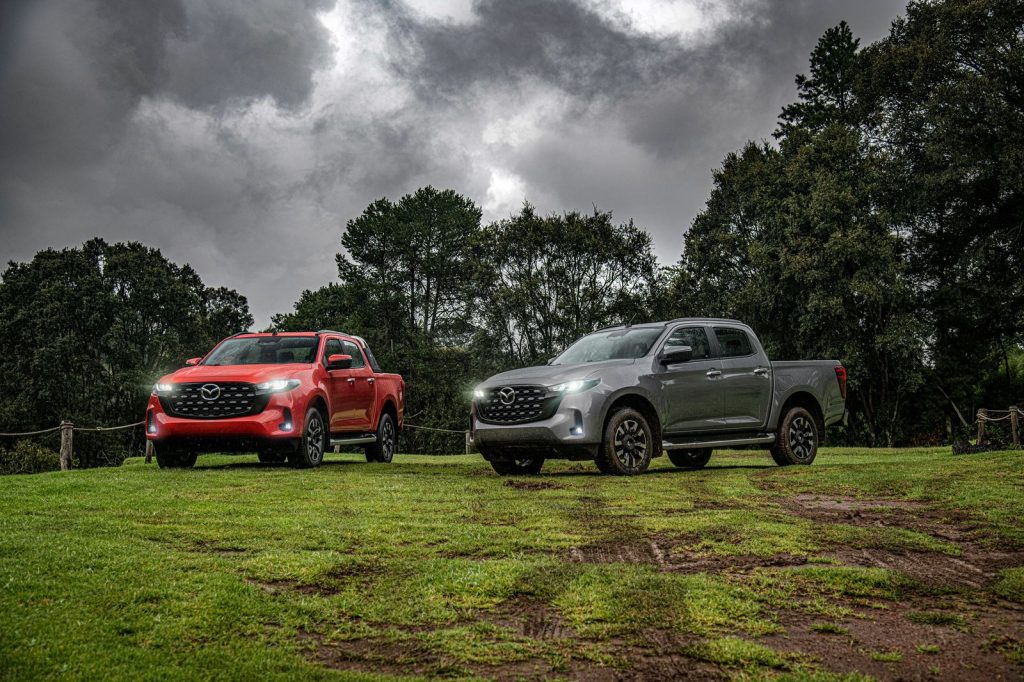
(26, 457)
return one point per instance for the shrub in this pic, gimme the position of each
(26, 457)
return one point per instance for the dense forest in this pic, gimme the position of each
(883, 225)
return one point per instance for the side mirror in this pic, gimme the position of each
(339, 361)
(193, 361)
(676, 355)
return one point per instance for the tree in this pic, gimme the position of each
(85, 332)
(414, 256)
(549, 280)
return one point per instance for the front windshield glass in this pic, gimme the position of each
(616, 344)
(265, 350)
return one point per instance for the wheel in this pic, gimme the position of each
(517, 467)
(272, 456)
(174, 457)
(384, 449)
(628, 444)
(690, 459)
(797, 439)
(310, 452)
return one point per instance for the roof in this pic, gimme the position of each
(677, 320)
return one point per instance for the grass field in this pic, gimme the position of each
(871, 563)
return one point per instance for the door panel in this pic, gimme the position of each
(746, 381)
(692, 390)
(352, 390)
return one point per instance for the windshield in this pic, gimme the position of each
(265, 350)
(617, 344)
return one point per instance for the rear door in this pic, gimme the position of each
(693, 389)
(746, 379)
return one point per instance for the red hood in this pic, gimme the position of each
(248, 373)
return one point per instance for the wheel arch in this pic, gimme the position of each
(388, 407)
(641, 404)
(806, 400)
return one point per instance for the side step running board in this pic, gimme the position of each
(762, 439)
(353, 441)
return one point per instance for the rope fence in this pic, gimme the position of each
(1013, 415)
(67, 430)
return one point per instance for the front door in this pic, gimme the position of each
(746, 380)
(692, 389)
(352, 389)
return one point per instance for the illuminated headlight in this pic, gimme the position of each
(479, 393)
(574, 386)
(162, 389)
(277, 385)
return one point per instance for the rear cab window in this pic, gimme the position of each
(734, 343)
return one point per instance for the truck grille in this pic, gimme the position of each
(218, 401)
(524, 404)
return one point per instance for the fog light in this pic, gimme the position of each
(150, 422)
(577, 424)
(286, 425)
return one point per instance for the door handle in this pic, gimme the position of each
(761, 371)
(351, 380)
(713, 374)
(370, 380)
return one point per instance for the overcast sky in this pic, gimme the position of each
(240, 135)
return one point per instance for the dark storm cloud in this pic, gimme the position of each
(668, 92)
(73, 71)
(219, 131)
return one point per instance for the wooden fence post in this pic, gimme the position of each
(982, 415)
(1014, 433)
(469, 443)
(67, 430)
(149, 451)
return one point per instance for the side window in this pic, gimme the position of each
(352, 349)
(332, 347)
(734, 342)
(373, 361)
(694, 337)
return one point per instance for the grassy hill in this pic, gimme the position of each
(886, 563)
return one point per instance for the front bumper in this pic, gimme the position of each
(279, 420)
(572, 432)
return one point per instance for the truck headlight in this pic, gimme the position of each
(162, 389)
(574, 386)
(479, 393)
(276, 386)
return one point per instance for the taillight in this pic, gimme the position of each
(841, 378)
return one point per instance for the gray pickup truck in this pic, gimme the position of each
(623, 395)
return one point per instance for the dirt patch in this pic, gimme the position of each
(888, 645)
(666, 555)
(531, 485)
(660, 656)
(209, 547)
(977, 567)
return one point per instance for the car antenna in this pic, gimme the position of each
(630, 323)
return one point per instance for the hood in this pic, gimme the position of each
(246, 373)
(553, 374)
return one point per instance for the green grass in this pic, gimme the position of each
(428, 565)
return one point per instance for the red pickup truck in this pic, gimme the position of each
(286, 396)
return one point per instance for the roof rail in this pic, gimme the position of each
(331, 331)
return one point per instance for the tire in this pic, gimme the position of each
(628, 444)
(384, 449)
(690, 459)
(518, 467)
(313, 444)
(272, 456)
(797, 439)
(173, 457)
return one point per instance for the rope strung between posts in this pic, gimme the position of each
(101, 429)
(95, 429)
(430, 428)
(31, 433)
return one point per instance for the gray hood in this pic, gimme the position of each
(552, 374)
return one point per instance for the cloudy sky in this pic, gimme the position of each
(240, 135)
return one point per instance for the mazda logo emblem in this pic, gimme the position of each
(210, 391)
(507, 395)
